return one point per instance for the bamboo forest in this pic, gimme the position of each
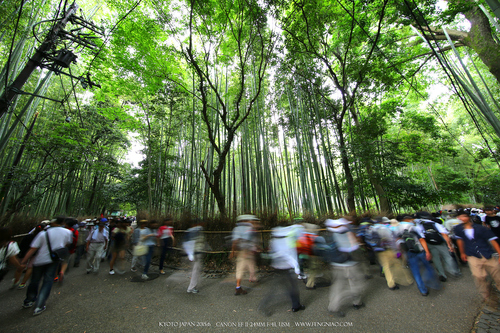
(215, 108)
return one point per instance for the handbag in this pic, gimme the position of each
(4, 270)
(140, 250)
(59, 254)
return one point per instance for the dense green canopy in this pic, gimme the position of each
(280, 108)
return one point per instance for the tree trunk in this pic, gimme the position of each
(481, 40)
(351, 205)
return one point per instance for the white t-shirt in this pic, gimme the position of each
(59, 237)
(13, 250)
(469, 233)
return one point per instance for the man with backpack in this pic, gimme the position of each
(440, 246)
(412, 242)
(381, 239)
(348, 278)
(245, 245)
(284, 261)
(44, 265)
(305, 251)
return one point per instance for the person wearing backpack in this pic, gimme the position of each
(476, 243)
(412, 242)
(382, 240)
(283, 253)
(9, 251)
(244, 247)
(305, 250)
(44, 266)
(436, 237)
(25, 247)
(348, 278)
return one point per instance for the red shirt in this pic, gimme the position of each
(165, 232)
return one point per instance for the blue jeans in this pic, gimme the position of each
(414, 260)
(149, 256)
(48, 273)
(166, 246)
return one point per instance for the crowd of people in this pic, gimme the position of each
(440, 243)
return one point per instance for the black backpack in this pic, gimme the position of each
(330, 252)
(409, 243)
(25, 245)
(432, 235)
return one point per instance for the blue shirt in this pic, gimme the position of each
(150, 241)
(479, 246)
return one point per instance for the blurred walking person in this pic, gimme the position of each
(244, 247)
(348, 278)
(440, 246)
(476, 244)
(25, 246)
(412, 242)
(83, 233)
(383, 242)
(69, 223)
(285, 263)
(8, 255)
(97, 242)
(194, 244)
(121, 235)
(149, 239)
(167, 239)
(44, 267)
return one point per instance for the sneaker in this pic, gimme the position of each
(39, 310)
(56, 279)
(133, 269)
(162, 272)
(28, 305)
(144, 276)
(358, 306)
(240, 291)
(442, 278)
(21, 286)
(89, 271)
(193, 291)
(13, 285)
(338, 314)
(111, 272)
(302, 307)
(396, 287)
